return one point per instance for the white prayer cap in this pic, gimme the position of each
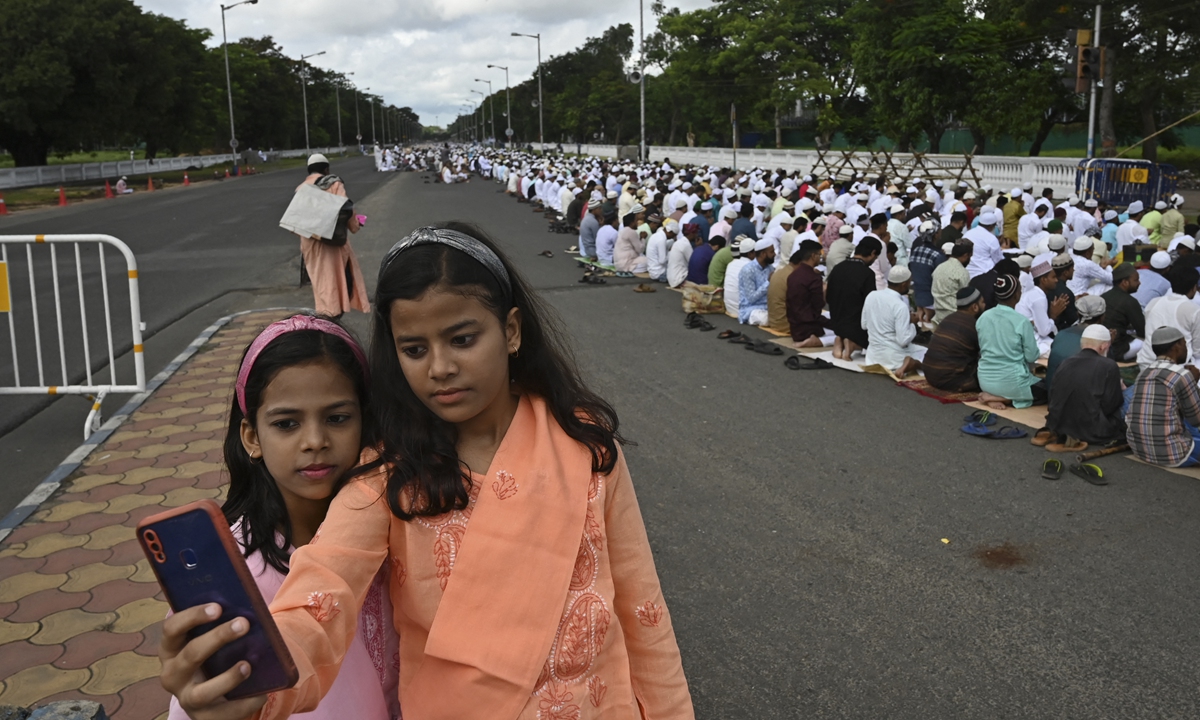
(1028, 186)
(805, 204)
(926, 226)
(1160, 206)
(937, 183)
(819, 220)
(1016, 192)
(968, 195)
(915, 204)
(687, 186)
(1096, 332)
(899, 274)
(789, 184)
(1083, 243)
(1090, 203)
(910, 189)
(612, 195)
(1177, 200)
(959, 207)
(861, 197)
(986, 188)
(1135, 207)
(316, 158)
(962, 183)
(1056, 243)
(681, 203)
(576, 191)
(706, 205)
(846, 230)
(1110, 215)
(897, 208)
(785, 219)
(808, 178)
(622, 178)
(947, 248)
(827, 208)
(1024, 261)
(1160, 260)
(728, 213)
(745, 245)
(1043, 203)
(670, 225)
(1188, 242)
(1073, 200)
(789, 204)
(988, 217)
(637, 208)
(762, 245)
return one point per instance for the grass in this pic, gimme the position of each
(36, 197)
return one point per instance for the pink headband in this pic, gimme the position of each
(292, 324)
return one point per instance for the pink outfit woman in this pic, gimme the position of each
(329, 265)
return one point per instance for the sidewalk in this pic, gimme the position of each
(79, 606)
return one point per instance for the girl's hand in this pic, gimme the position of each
(200, 698)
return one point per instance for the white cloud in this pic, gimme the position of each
(425, 55)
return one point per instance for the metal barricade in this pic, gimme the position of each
(1119, 182)
(94, 388)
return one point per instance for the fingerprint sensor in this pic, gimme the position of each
(189, 558)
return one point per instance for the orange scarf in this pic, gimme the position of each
(501, 608)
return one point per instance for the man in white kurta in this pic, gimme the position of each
(658, 249)
(987, 250)
(887, 318)
(1090, 278)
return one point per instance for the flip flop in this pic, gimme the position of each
(706, 326)
(983, 417)
(1052, 469)
(690, 318)
(974, 428)
(803, 362)
(622, 274)
(1091, 473)
(1008, 432)
(1043, 437)
(741, 340)
(546, 253)
(727, 334)
(1062, 447)
(587, 277)
(765, 348)
(792, 363)
(595, 280)
(573, 249)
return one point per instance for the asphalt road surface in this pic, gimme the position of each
(798, 518)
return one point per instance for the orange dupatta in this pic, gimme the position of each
(501, 608)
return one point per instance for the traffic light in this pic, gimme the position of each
(1089, 67)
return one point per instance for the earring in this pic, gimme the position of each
(515, 352)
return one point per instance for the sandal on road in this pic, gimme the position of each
(1008, 432)
(765, 348)
(1068, 445)
(546, 253)
(1052, 469)
(1091, 473)
(1043, 437)
(801, 362)
(728, 334)
(983, 417)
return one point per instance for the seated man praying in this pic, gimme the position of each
(849, 285)
(1007, 346)
(952, 358)
(1086, 404)
(806, 297)
(1164, 410)
(888, 320)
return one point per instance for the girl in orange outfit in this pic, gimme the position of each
(522, 578)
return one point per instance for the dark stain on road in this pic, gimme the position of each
(999, 557)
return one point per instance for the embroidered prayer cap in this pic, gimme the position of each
(1166, 335)
(452, 238)
(966, 296)
(1091, 203)
(1006, 286)
(819, 220)
(295, 323)
(1056, 242)
(593, 204)
(1040, 269)
(1160, 260)
(1090, 306)
(762, 244)
(1082, 244)
(1110, 215)
(1135, 207)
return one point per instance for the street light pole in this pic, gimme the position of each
(480, 134)
(338, 98)
(233, 143)
(508, 99)
(642, 72)
(541, 127)
(304, 88)
(374, 138)
(492, 103)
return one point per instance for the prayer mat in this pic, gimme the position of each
(922, 387)
(788, 343)
(1034, 417)
(843, 364)
(1192, 472)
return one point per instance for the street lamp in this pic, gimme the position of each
(541, 133)
(492, 103)
(477, 130)
(508, 130)
(233, 143)
(338, 99)
(374, 138)
(304, 88)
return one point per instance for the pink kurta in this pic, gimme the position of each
(604, 647)
(327, 265)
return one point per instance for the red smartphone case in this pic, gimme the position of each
(197, 560)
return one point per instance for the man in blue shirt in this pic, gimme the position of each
(701, 258)
(1153, 281)
(744, 225)
(753, 281)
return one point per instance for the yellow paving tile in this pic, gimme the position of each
(137, 615)
(117, 672)
(210, 425)
(153, 451)
(106, 537)
(11, 632)
(182, 396)
(43, 545)
(144, 574)
(86, 482)
(199, 446)
(125, 503)
(166, 413)
(219, 409)
(82, 579)
(69, 510)
(185, 495)
(163, 431)
(12, 550)
(18, 586)
(32, 684)
(107, 457)
(196, 468)
(138, 476)
(62, 626)
(123, 435)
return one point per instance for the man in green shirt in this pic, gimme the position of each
(1007, 346)
(1172, 220)
(720, 261)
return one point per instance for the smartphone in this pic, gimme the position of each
(197, 561)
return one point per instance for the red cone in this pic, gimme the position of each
(108, 193)
(3, 207)
(186, 182)
(62, 197)
(150, 185)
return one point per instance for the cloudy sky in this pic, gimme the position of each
(425, 55)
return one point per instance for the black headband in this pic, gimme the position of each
(459, 241)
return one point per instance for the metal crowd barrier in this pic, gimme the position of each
(92, 387)
(1116, 181)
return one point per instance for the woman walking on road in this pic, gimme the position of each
(337, 280)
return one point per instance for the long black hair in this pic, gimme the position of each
(254, 498)
(426, 476)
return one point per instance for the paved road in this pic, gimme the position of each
(797, 521)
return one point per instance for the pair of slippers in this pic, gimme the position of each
(807, 362)
(1052, 469)
(693, 321)
(1052, 442)
(980, 422)
(592, 279)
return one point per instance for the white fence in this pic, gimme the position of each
(81, 172)
(31, 318)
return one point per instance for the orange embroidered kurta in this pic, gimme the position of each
(328, 265)
(604, 649)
